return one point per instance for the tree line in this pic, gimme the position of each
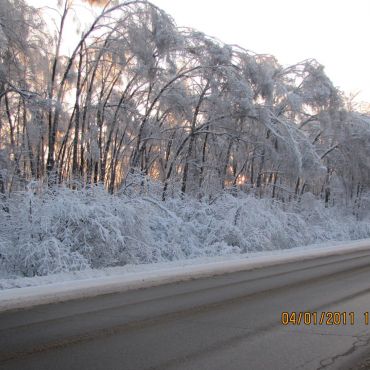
(137, 94)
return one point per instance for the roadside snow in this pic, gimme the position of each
(60, 230)
(26, 292)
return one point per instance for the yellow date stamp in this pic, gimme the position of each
(324, 318)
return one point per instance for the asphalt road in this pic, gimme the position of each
(225, 322)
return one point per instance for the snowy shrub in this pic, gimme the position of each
(45, 231)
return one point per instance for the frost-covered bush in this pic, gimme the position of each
(253, 225)
(333, 223)
(62, 229)
(44, 231)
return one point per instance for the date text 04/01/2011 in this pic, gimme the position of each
(323, 318)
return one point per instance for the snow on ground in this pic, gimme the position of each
(89, 283)
(59, 243)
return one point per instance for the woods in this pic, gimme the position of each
(148, 142)
(139, 95)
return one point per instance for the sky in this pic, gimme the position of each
(335, 32)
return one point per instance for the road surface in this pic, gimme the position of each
(226, 322)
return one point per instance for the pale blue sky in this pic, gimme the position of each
(335, 32)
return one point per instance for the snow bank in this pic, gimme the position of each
(90, 283)
(47, 231)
